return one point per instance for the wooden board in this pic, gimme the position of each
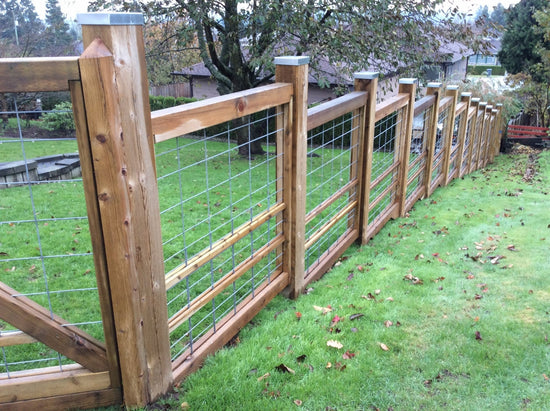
(180, 120)
(37, 74)
(323, 113)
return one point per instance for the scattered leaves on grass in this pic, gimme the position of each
(185, 405)
(356, 316)
(350, 277)
(263, 377)
(334, 344)
(478, 336)
(284, 369)
(384, 347)
(335, 321)
(414, 280)
(348, 355)
(388, 323)
(369, 296)
(512, 247)
(298, 402)
(323, 310)
(298, 315)
(301, 358)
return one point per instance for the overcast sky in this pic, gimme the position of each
(71, 7)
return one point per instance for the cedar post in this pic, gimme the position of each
(433, 89)
(498, 131)
(294, 70)
(463, 128)
(408, 86)
(452, 91)
(366, 81)
(116, 99)
(474, 133)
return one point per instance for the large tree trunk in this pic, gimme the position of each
(248, 138)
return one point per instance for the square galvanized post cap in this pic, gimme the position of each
(110, 19)
(291, 60)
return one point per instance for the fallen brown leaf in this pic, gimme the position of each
(334, 344)
(263, 377)
(384, 347)
(284, 369)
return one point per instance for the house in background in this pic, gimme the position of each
(489, 57)
(450, 63)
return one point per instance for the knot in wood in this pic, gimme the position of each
(240, 104)
(101, 138)
(104, 197)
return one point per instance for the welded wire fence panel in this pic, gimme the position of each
(417, 157)
(467, 146)
(45, 246)
(385, 170)
(221, 221)
(455, 144)
(331, 185)
(442, 127)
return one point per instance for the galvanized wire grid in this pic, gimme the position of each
(385, 137)
(329, 169)
(467, 140)
(45, 246)
(207, 190)
(419, 140)
(440, 143)
(454, 143)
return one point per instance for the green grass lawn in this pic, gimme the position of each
(445, 309)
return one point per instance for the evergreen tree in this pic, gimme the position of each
(20, 29)
(520, 41)
(57, 36)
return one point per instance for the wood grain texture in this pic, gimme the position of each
(116, 97)
(405, 145)
(294, 178)
(37, 74)
(432, 134)
(86, 400)
(34, 320)
(448, 135)
(180, 120)
(390, 105)
(323, 113)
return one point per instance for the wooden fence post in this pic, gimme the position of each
(452, 91)
(433, 89)
(462, 129)
(474, 135)
(408, 86)
(294, 70)
(116, 99)
(366, 81)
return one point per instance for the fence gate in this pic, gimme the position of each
(49, 358)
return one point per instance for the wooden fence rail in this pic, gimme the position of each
(390, 155)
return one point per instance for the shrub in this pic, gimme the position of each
(160, 102)
(61, 118)
(482, 70)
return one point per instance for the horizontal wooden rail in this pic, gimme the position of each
(35, 74)
(460, 107)
(326, 227)
(445, 102)
(391, 105)
(323, 113)
(382, 176)
(438, 160)
(204, 298)
(62, 383)
(187, 118)
(331, 200)
(375, 202)
(229, 326)
(423, 104)
(181, 272)
(471, 112)
(417, 160)
(8, 339)
(415, 174)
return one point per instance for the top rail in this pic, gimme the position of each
(391, 105)
(323, 113)
(423, 104)
(35, 74)
(176, 121)
(460, 107)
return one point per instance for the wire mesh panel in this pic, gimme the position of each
(332, 185)
(385, 166)
(418, 153)
(467, 146)
(440, 141)
(477, 141)
(221, 208)
(45, 247)
(455, 144)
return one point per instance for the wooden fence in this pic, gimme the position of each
(378, 161)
